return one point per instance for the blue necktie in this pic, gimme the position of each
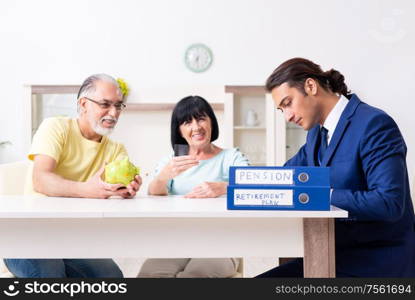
(323, 144)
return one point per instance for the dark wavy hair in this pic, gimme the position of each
(185, 110)
(295, 72)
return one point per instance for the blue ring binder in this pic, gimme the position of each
(279, 188)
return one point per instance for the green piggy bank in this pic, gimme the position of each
(121, 171)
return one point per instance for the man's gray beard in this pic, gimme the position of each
(100, 130)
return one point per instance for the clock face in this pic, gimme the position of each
(198, 58)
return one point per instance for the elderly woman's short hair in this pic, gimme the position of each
(185, 110)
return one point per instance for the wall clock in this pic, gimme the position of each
(198, 58)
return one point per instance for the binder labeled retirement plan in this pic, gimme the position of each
(284, 176)
(252, 197)
(279, 188)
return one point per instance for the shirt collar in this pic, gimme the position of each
(334, 116)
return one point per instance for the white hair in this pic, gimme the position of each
(88, 86)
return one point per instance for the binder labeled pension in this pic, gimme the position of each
(279, 188)
(288, 176)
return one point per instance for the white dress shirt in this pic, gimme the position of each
(334, 116)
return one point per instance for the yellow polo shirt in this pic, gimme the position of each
(77, 158)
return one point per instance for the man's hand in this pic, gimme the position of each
(208, 190)
(95, 187)
(133, 187)
(45, 181)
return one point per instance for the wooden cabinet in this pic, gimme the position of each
(257, 128)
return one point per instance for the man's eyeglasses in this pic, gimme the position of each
(107, 105)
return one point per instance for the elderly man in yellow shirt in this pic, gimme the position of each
(69, 157)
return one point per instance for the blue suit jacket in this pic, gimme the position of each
(368, 174)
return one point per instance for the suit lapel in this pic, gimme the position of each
(341, 127)
(337, 135)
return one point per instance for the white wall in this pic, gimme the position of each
(61, 42)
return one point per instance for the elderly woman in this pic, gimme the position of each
(203, 172)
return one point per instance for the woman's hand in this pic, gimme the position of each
(177, 165)
(208, 190)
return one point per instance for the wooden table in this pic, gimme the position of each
(171, 226)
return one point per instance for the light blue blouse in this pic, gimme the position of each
(213, 170)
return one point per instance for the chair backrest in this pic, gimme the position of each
(13, 177)
(12, 182)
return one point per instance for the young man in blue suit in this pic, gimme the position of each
(366, 154)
